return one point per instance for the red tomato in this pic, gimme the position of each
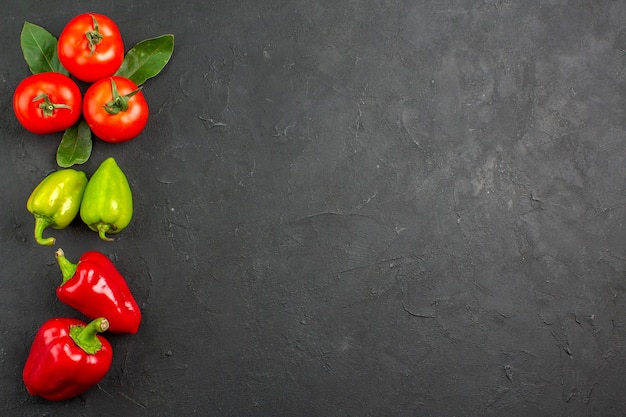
(115, 109)
(47, 102)
(90, 47)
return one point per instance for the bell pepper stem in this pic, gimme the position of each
(41, 222)
(103, 229)
(68, 269)
(86, 338)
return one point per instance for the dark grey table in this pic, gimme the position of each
(348, 208)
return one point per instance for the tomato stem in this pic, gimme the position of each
(119, 103)
(49, 107)
(94, 37)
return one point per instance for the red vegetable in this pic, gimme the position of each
(115, 109)
(47, 102)
(90, 47)
(67, 358)
(97, 289)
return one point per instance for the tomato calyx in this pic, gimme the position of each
(119, 103)
(49, 107)
(94, 37)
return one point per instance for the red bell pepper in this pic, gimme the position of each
(97, 289)
(67, 358)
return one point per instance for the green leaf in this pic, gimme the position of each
(40, 49)
(147, 59)
(75, 147)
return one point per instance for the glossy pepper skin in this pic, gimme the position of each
(96, 288)
(67, 358)
(55, 201)
(107, 205)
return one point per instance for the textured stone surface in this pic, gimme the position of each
(344, 208)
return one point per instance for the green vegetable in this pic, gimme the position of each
(107, 205)
(40, 50)
(147, 59)
(55, 201)
(76, 145)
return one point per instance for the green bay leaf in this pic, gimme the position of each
(75, 146)
(40, 49)
(146, 59)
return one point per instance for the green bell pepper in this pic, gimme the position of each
(55, 201)
(107, 205)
